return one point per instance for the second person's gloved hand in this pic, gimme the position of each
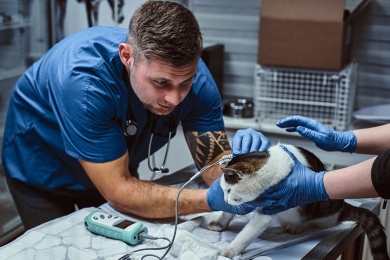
(249, 140)
(324, 137)
(215, 200)
(301, 186)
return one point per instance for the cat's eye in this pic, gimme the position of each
(228, 191)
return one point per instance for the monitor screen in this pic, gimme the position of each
(124, 224)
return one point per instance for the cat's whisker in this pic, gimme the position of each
(241, 209)
(236, 209)
(248, 205)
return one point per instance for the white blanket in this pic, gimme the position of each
(67, 238)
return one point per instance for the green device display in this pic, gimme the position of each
(112, 226)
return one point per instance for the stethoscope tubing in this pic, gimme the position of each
(162, 169)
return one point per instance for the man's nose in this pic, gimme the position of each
(173, 96)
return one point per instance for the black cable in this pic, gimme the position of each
(146, 236)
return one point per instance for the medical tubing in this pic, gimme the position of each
(177, 209)
(146, 236)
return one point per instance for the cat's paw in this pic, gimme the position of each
(229, 252)
(294, 229)
(216, 221)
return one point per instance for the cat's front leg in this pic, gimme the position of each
(256, 225)
(216, 221)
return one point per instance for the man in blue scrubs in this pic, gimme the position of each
(64, 141)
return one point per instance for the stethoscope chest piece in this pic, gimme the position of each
(130, 128)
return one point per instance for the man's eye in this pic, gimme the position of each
(187, 82)
(160, 82)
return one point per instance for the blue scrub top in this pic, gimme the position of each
(72, 104)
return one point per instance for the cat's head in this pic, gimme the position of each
(239, 182)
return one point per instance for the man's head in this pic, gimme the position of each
(165, 31)
(161, 54)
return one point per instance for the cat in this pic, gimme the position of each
(246, 176)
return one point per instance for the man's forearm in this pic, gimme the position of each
(211, 174)
(142, 198)
(150, 200)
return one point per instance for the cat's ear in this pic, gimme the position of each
(228, 172)
(231, 176)
(232, 172)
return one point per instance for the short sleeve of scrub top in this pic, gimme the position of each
(91, 103)
(90, 131)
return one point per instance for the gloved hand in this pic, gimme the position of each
(249, 140)
(215, 200)
(301, 186)
(324, 137)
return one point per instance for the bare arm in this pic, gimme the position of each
(206, 148)
(373, 140)
(355, 181)
(129, 195)
(350, 182)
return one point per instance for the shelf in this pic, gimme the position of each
(242, 123)
(9, 73)
(235, 122)
(16, 22)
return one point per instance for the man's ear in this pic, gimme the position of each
(126, 54)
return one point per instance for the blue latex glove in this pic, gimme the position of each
(324, 137)
(249, 140)
(216, 202)
(301, 186)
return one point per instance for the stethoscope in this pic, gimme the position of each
(131, 128)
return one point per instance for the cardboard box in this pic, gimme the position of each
(310, 34)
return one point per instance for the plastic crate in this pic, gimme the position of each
(325, 96)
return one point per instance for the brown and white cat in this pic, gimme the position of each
(246, 176)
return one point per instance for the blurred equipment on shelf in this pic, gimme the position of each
(240, 108)
(213, 57)
(325, 96)
(308, 34)
(378, 114)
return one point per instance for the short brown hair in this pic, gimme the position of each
(166, 31)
